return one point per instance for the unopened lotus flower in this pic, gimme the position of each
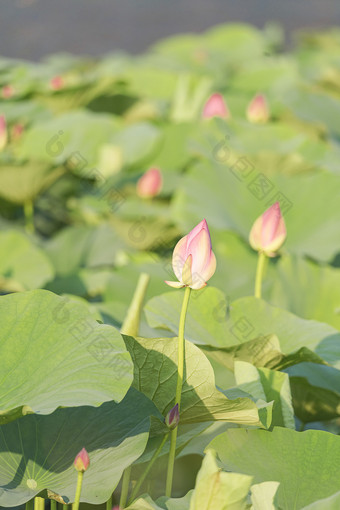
(82, 461)
(150, 184)
(172, 418)
(193, 260)
(57, 83)
(7, 91)
(3, 132)
(269, 231)
(216, 107)
(258, 110)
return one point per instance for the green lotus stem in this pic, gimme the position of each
(131, 322)
(39, 503)
(109, 503)
(147, 470)
(29, 505)
(75, 505)
(180, 372)
(259, 274)
(29, 216)
(53, 504)
(125, 487)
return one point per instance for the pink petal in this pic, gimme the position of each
(210, 268)
(179, 257)
(187, 271)
(200, 248)
(193, 233)
(175, 285)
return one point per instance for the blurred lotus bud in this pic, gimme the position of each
(150, 184)
(82, 460)
(57, 83)
(172, 418)
(258, 110)
(216, 107)
(193, 260)
(269, 231)
(7, 91)
(3, 132)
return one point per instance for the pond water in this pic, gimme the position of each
(33, 28)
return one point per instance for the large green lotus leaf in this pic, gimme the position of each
(90, 247)
(236, 42)
(155, 374)
(138, 142)
(149, 80)
(331, 503)
(235, 193)
(317, 108)
(217, 489)
(53, 354)
(163, 503)
(211, 320)
(37, 452)
(270, 74)
(316, 391)
(307, 289)
(23, 266)
(20, 183)
(264, 351)
(305, 463)
(268, 385)
(56, 140)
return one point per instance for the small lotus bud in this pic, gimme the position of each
(216, 107)
(258, 110)
(57, 83)
(150, 184)
(3, 132)
(269, 231)
(82, 460)
(7, 91)
(172, 418)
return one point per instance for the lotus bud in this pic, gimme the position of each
(7, 91)
(3, 132)
(193, 260)
(269, 231)
(57, 83)
(82, 461)
(150, 184)
(258, 110)
(172, 418)
(215, 106)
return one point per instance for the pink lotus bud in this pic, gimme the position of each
(269, 231)
(57, 83)
(82, 460)
(3, 132)
(17, 131)
(172, 418)
(258, 110)
(116, 507)
(7, 91)
(193, 260)
(216, 107)
(150, 184)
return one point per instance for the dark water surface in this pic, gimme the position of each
(33, 28)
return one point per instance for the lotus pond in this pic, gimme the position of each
(211, 162)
